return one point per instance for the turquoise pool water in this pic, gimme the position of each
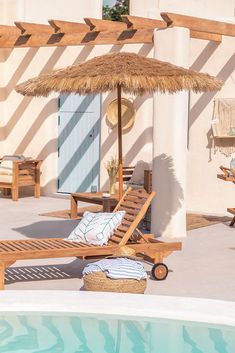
(43, 333)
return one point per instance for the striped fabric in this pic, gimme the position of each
(118, 268)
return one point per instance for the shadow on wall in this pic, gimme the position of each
(204, 56)
(138, 143)
(26, 61)
(169, 193)
(5, 91)
(50, 107)
(209, 145)
(21, 108)
(205, 98)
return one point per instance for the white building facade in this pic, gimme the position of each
(174, 131)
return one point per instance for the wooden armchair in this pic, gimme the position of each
(127, 174)
(24, 173)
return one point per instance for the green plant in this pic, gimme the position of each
(114, 13)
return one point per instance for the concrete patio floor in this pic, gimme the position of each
(205, 267)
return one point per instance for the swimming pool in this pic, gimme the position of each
(80, 322)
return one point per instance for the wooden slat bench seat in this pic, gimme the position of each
(126, 234)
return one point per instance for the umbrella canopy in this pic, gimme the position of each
(126, 72)
(134, 73)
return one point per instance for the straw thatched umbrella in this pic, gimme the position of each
(127, 72)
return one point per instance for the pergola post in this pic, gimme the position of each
(170, 126)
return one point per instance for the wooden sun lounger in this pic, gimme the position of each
(135, 203)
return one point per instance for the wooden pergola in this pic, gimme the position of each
(92, 31)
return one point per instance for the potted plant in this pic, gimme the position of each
(112, 169)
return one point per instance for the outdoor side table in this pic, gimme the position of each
(108, 203)
(228, 176)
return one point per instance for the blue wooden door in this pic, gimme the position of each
(78, 142)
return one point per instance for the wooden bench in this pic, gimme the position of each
(24, 173)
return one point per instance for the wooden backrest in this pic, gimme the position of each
(136, 203)
(29, 167)
(127, 173)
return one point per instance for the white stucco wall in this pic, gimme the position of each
(29, 125)
(199, 8)
(206, 193)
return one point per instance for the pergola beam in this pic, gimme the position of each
(9, 30)
(199, 24)
(105, 25)
(68, 27)
(85, 38)
(136, 22)
(206, 36)
(132, 30)
(27, 28)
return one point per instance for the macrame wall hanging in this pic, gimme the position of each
(223, 125)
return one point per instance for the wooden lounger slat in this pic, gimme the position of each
(142, 195)
(134, 199)
(121, 234)
(129, 211)
(129, 218)
(62, 244)
(113, 241)
(39, 244)
(132, 205)
(35, 245)
(29, 245)
(51, 244)
(75, 244)
(4, 247)
(71, 244)
(79, 245)
(125, 222)
(122, 228)
(115, 238)
(18, 246)
(66, 244)
(12, 246)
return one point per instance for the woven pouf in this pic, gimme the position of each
(99, 282)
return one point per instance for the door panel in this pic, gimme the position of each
(78, 143)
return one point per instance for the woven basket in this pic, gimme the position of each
(98, 282)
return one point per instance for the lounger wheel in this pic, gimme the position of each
(159, 271)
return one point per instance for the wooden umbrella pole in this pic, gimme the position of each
(120, 171)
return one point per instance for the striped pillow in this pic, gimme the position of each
(96, 228)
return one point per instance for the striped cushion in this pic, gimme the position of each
(96, 228)
(119, 268)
